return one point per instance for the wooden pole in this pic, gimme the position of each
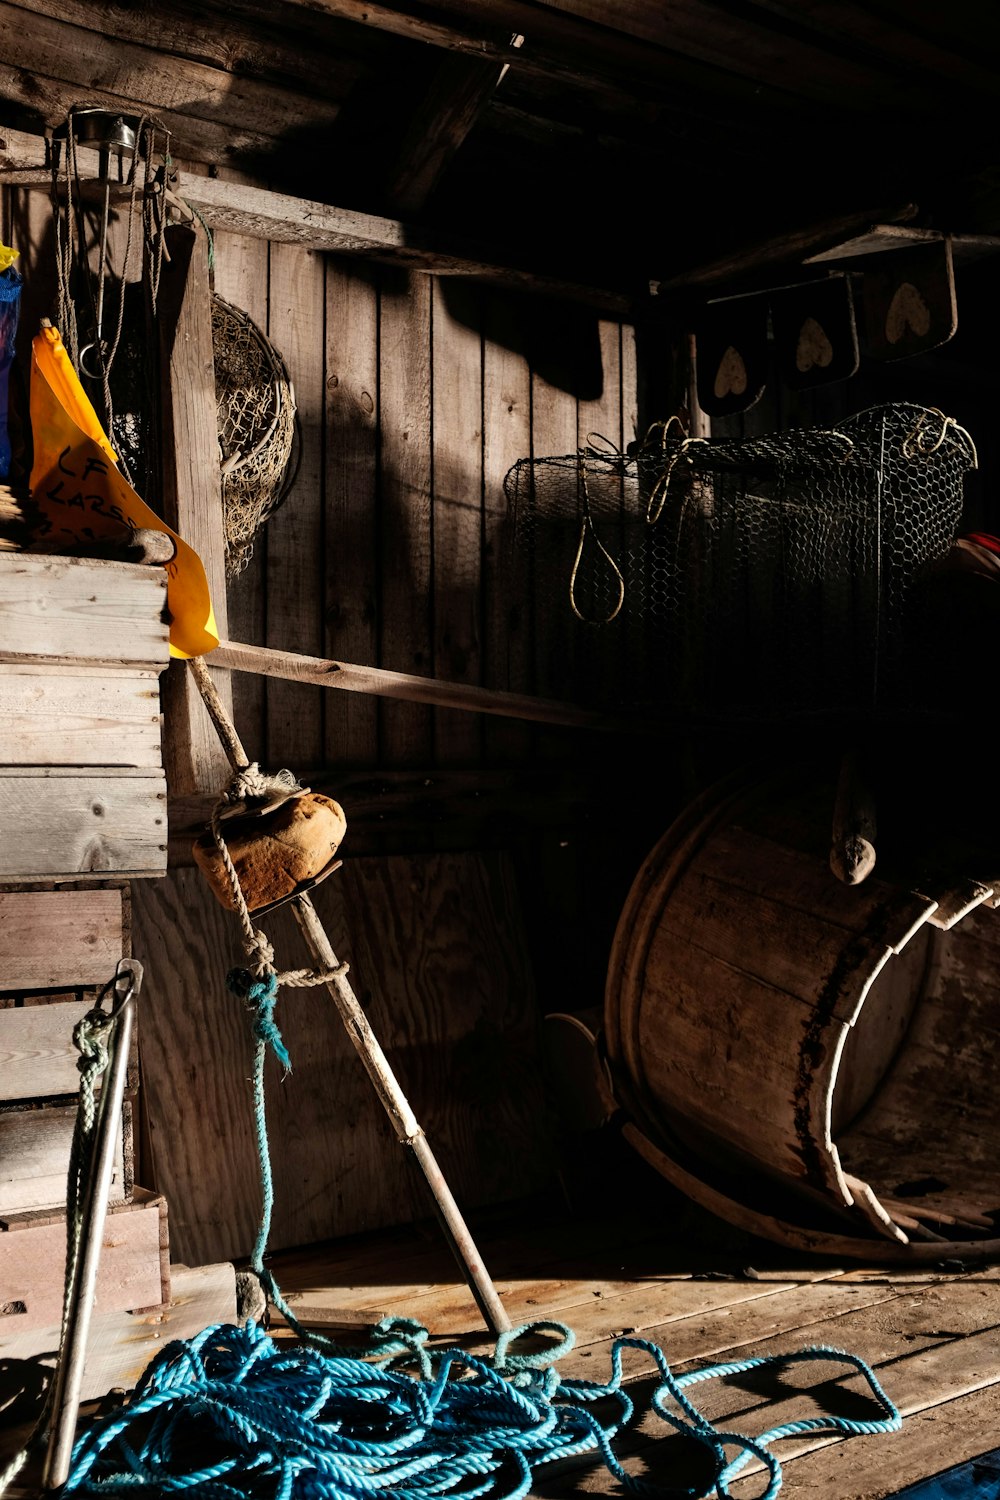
(440, 694)
(366, 1044)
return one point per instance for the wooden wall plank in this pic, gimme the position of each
(79, 717)
(192, 494)
(405, 536)
(77, 608)
(437, 960)
(241, 277)
(457, 458)
(351, 592)
(37, 1055)
(53, 938)
(506, 438)
(295, 567)
(133, 1273)
(96, 824)
(34, 1157)
(121, 1344)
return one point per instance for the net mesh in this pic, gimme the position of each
(255, 405)
(769, 575)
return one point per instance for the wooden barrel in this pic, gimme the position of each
(812, 1061)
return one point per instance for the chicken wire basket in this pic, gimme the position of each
(255, 408)
(762, 577)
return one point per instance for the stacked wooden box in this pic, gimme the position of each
(82, 811)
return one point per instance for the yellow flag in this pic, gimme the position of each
(76, 484)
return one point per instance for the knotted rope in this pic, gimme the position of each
(233, 1414)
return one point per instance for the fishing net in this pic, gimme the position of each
(255, 403)
(772, 575)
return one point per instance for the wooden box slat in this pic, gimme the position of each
(99, 822)
(78, 716)
(34, 1157)
(52, 938)
(79, 609)
(134, 1271)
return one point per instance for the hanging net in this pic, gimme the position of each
(255, 403)
(772, 575)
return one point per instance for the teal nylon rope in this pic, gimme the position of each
(234, 1415)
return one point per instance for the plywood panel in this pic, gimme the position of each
(295, 565)
(436, 955)
(52, 938)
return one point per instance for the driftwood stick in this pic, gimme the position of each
(409, 689)
(366, 1044)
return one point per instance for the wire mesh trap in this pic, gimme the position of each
(255, 402)
(768, 576)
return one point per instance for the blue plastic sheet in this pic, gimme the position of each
(10, 306)
(977, 1479)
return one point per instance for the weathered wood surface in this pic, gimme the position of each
(930, 1336)
(241, 276)
(77, 609)
(52, 938)
(34, 1157)
(457, 460)
(134, 1270)
(121, 1344)
(436, 952)
(79, 716)
(94, 823)
(192, 492)
(744, 972)
(37, 1057)
(296, 563)
(350, 498)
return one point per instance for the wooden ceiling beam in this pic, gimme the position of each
(645, 40)
(213, 115)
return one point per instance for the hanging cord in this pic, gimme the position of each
(91, 1037)
(257, 987)
(930, 432)
(146, 194)
(595, 440)
(682, 453)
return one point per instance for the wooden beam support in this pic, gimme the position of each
(409, 689)
(459, 90)
(276, 217)
(192, 494)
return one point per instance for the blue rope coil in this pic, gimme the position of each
(233, 1414)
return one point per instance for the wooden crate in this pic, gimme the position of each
(82, 789)
(134, 1271)
(34, 1156)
